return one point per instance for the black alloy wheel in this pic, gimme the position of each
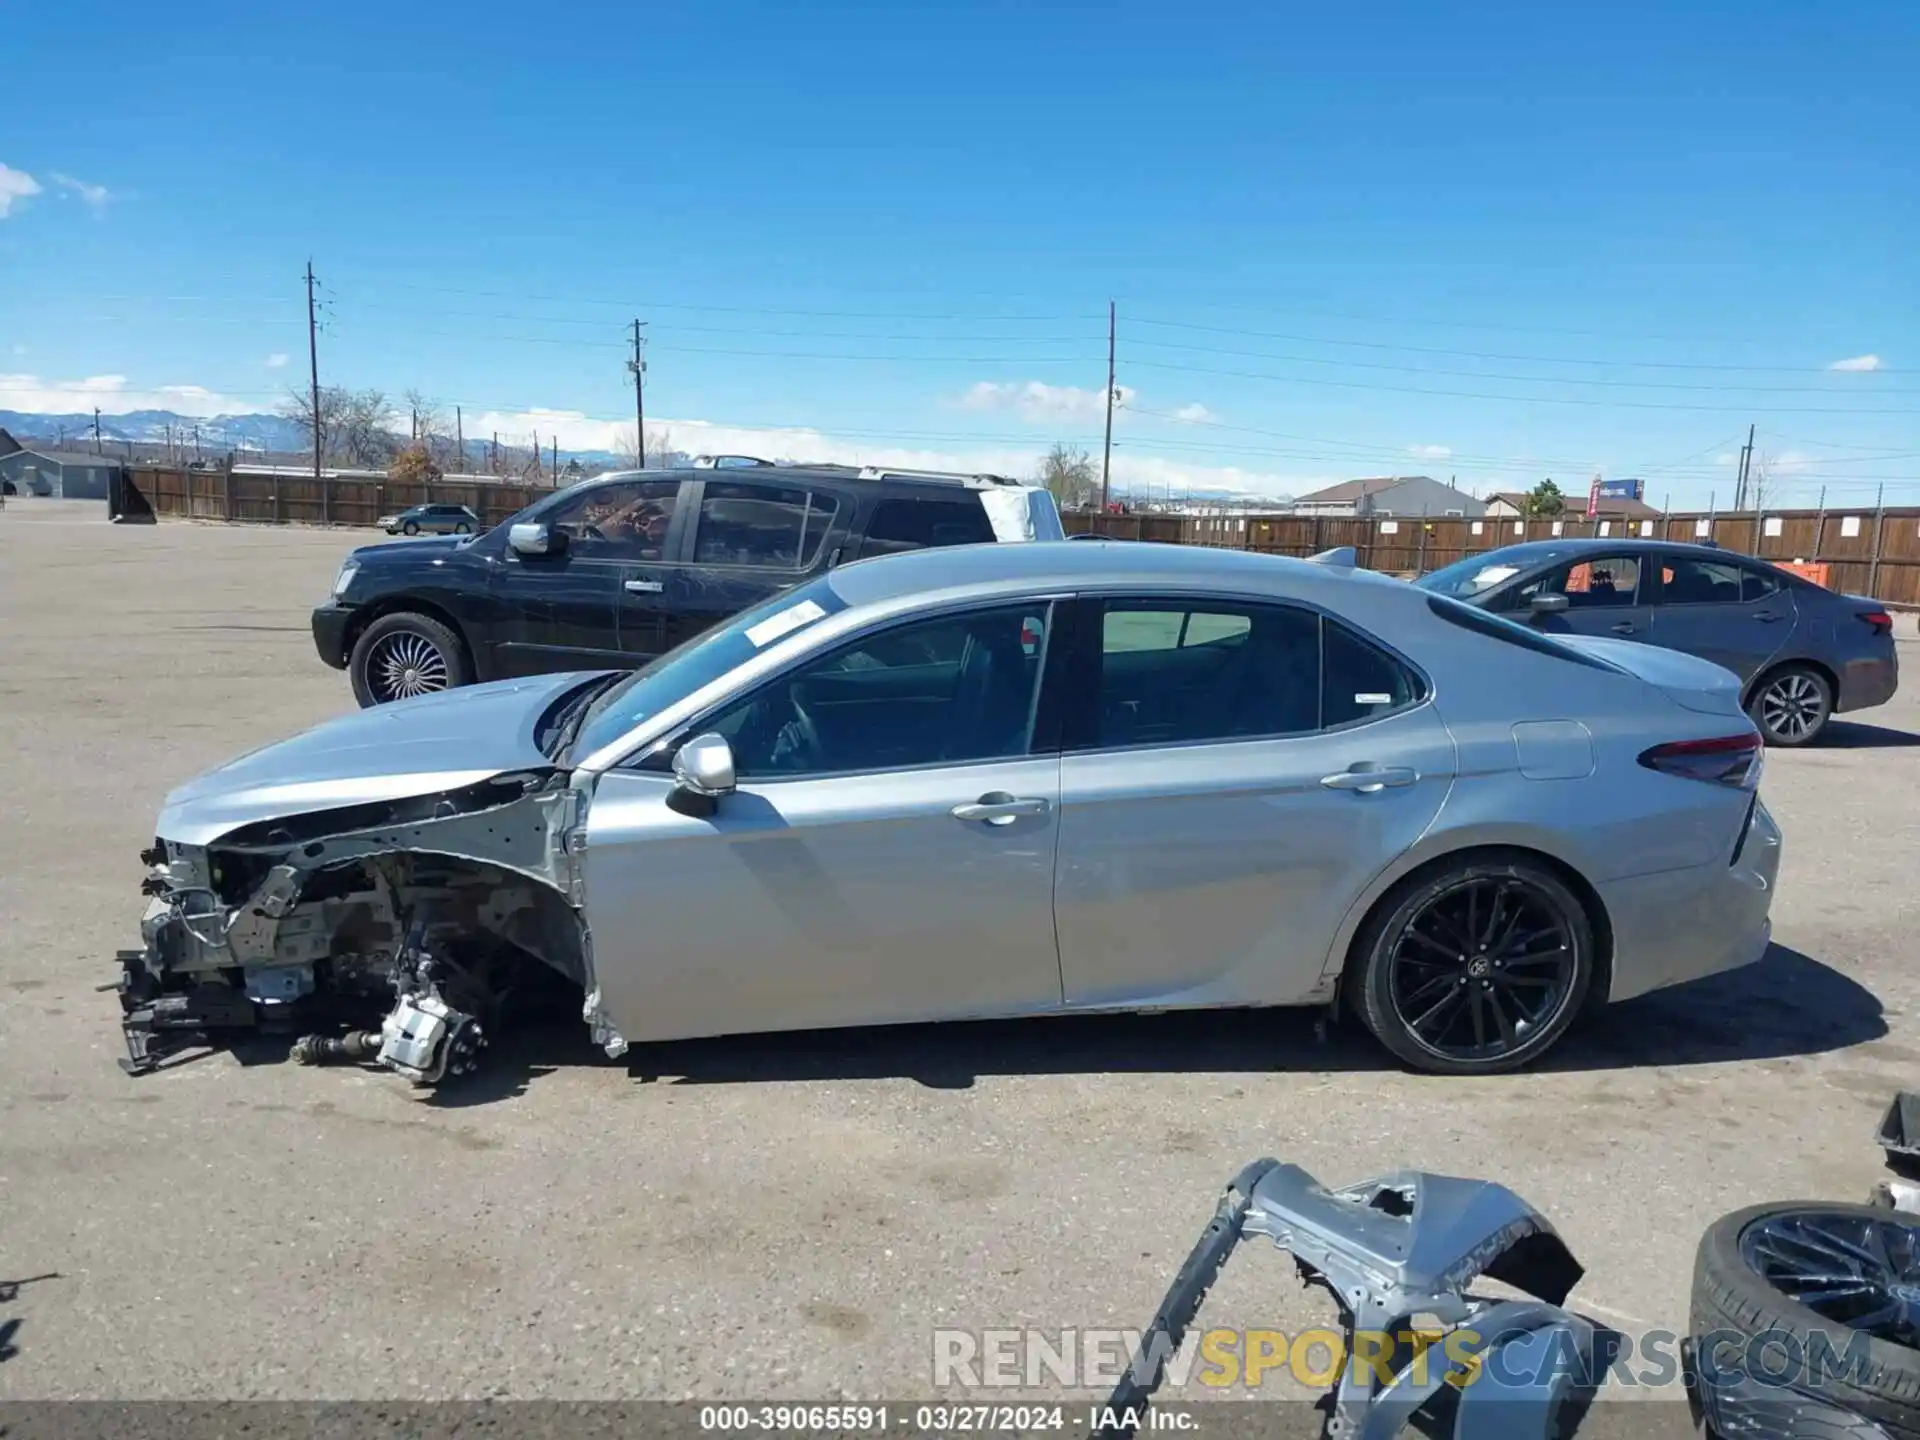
(1860, 1271)
(1479, 968)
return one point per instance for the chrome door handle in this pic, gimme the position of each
(1367, 782)
(1000, 808)
(1625, 627)
(1767, 618)
(644, 587)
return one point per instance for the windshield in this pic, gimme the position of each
(1477, 573)
(670, 678)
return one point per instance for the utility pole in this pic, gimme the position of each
(313, 370)
(1106, 455)
(96, 430)
(1746, 462)
(638, 366)
(556, 457)
(493, 460)
(196, 442)
(460, 437)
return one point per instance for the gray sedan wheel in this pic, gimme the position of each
(410, 528)
(1473, 967)
(1792, 705)
(404, 655)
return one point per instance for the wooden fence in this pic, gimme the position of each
(278, 499)
(1865, 552)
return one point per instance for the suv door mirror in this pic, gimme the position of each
(702, 773)
(1548, 604)
(534, 537)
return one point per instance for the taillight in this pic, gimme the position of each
(1878, 621)
(1731, 760)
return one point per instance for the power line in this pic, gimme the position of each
(1505, 399)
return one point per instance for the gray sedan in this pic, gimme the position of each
(1803, 653)
(989, 781)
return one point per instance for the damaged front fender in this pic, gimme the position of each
(315, 912)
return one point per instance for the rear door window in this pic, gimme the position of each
(761, 526)
(1688, 580)
(899, 524)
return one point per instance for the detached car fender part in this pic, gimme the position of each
(1405, 1245)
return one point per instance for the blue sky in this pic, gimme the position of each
(1492, 241)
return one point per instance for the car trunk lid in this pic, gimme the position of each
(1690, 682)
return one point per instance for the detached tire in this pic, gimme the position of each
(1792, 705)
(1750, 1313)
(405, 655)
(1474, 966)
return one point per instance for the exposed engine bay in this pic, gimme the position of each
(401, 932)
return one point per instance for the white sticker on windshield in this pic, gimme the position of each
(785, 623)
(1370, 697)
(1494, 574)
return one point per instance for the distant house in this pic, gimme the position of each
(67, 474)
(1513, 504)
(1389, 495)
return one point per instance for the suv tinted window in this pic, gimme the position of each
(897, 525)
(1173, 673)
(627, 520)
(941, 691)
(765, 526)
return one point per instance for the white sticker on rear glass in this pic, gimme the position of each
(785, 623)
(1369, 697)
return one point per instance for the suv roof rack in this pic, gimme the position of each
(729, 462)
(956, 477)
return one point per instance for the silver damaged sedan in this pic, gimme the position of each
(985, 781)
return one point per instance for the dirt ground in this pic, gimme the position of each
(794, 1216)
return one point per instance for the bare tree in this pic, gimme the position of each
(1760, 480)
(1070, 475)
(659, 450)
(353, 425)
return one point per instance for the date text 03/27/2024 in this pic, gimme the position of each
(843, 1418)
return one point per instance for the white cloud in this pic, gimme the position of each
(1195, 414)
(1132, 472)
(1429, 452)
(1856, 364)
(95, 195)
(1037, 400)
(35, 396)
(278, 361)
(15, 185)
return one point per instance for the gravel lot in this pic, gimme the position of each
(787, 1217)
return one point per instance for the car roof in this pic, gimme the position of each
(1531, 550)
(919, 486)
(1044, 564)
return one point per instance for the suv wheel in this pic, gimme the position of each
(1792, 705)
(412, 527)
(403, 655)
(463, 528)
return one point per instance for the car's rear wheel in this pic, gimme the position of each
(463, 528)
(403, 655)
(1475, 966)
(1792, 705)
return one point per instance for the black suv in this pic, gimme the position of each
(618, 569)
